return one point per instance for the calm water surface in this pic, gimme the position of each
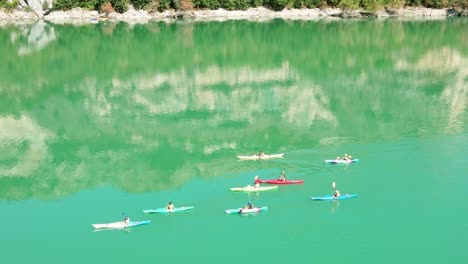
(100, 120)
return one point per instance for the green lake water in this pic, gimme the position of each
(101, 120)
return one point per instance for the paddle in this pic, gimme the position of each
(125, 219)
(336, 193)
(334, 187)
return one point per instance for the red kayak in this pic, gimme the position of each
(276, 181)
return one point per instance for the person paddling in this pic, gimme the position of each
(126, 220)
(170, 206)
(256, 182)
(347, 157)
(282, 177)
(249, 205)
(336, 193)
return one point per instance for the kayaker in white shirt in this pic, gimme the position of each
(282, 177)
(256, 183)
(346, 157)
(261, 154)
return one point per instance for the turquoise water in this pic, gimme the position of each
(101, 120)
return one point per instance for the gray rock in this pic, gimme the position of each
(351, 14)
(36, 6)
(368, 13)
(4, 16)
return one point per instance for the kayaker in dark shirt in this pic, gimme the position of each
(170, 206)
(261, 154)
(249, 205)
(126, 220)
(336, 194)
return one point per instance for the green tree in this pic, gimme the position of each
(140, 4)
(120, 6)
(255, 3)
(69, 4)
(372, 4)
(349, 4)
(277, 5)
(8, 5)
(436, 3)
(413, 2)
(394, 3)
(210, 4)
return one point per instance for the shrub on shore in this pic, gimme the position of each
(106, 8)
(69, 4)
(8, 5)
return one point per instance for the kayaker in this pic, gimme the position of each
(170, 206)
(126, 220)
(346, 157)
(336, 194)
(282, 177)
(257, 184)
(261, 154)
(249, 205)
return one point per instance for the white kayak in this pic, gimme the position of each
(246, 211)
(250, 188)
(341, 161)
(264, 157)
(120, 225)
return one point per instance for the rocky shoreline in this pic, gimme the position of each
(81, 16)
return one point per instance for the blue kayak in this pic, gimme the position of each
(137, 223)
(331, 198)
(165, 210)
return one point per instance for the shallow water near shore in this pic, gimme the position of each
(100, 120)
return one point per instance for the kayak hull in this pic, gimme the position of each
(280, 182)
(246, 211)
(165, 210)
(254, 189)
(331, 198)
(341, 161)
(264, 157)
(120, 225)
